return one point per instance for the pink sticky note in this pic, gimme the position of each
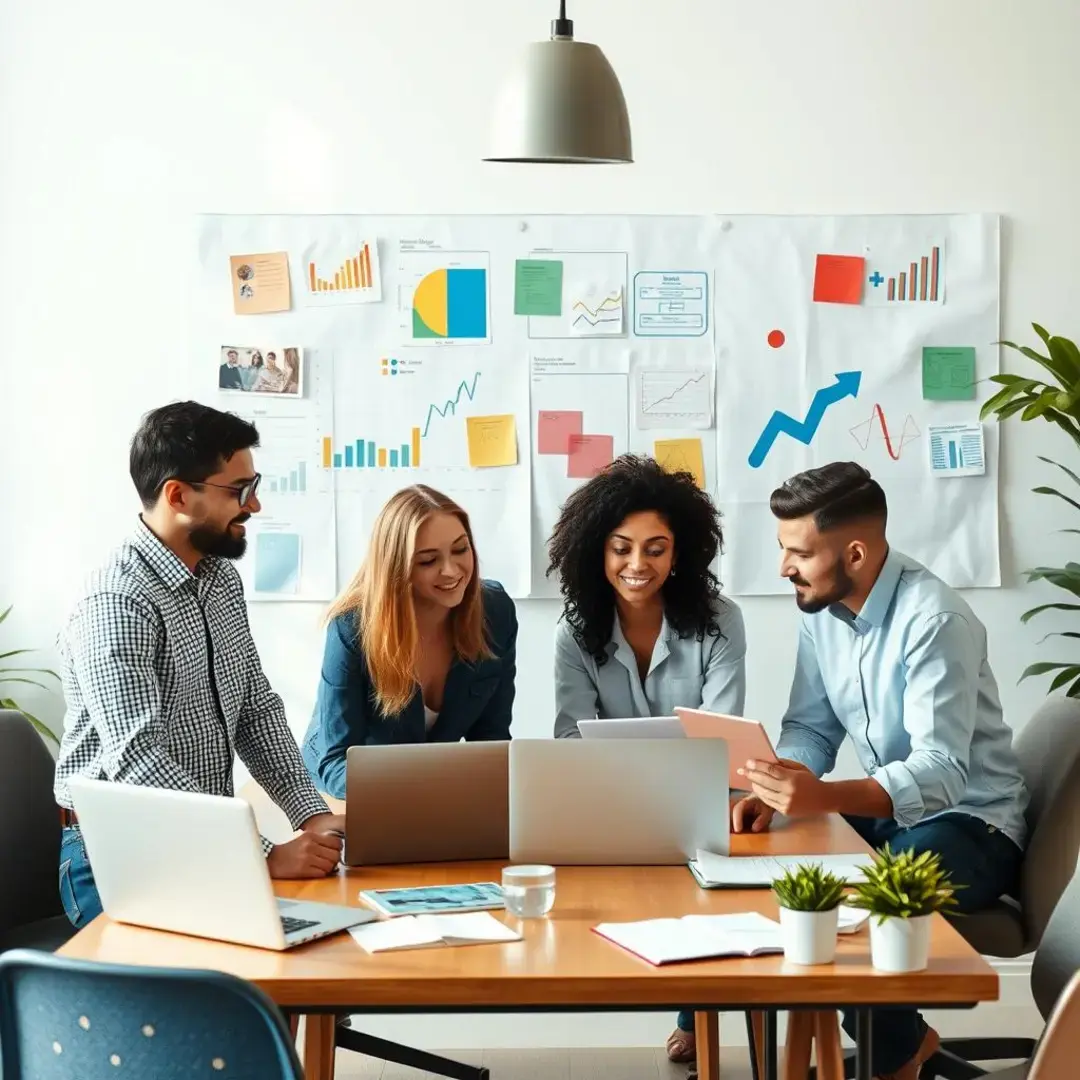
(553, 431)
(589, 454)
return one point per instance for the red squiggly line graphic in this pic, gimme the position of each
(894, 450)
(894, 454)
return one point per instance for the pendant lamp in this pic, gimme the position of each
(562, 104)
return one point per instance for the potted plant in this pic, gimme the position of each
(9, 675)
(809, 899)
(1056, 402)
(902, 891)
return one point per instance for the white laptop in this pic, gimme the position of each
(192, 864)
(617, 802)
(633, 727)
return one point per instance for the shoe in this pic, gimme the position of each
(681, 1046)
(931, 1044)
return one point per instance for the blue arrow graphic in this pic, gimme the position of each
(846, 385)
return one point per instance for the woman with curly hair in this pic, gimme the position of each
(644, 626)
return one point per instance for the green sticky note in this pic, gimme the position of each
(948, 374)
(538, 287)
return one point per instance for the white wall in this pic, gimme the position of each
(120, 120)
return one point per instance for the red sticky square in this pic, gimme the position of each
(838, 279)
(589, 454)
(553, 431)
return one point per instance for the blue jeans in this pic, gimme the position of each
(78, 893)
(976, 855)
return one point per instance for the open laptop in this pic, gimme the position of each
(617, 802)
(192, 864)
(426, 802)
(633, 727)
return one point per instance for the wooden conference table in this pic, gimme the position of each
(562, 966)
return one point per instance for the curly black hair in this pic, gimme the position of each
(634, 484)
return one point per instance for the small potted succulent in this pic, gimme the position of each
(902, 891)
(809, 899)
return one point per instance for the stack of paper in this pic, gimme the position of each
(427, 931)
(752, 871)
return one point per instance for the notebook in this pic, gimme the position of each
(431, 931)
(695, 937)
(759, 871)
(433, 899)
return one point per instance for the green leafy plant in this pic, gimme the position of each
(903, 885)
(809, 888)
(1057, 402)
(28, 676)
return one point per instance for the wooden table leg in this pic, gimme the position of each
(827, 1047)
(319, 1046)
(757, 1026)
(707, 1038)
(800, 1038)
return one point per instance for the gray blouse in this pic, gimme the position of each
(708, 674)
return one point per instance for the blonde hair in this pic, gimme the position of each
(380, 598)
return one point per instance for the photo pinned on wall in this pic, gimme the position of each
(277, 370)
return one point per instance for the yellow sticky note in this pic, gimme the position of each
(260, 283)
(681, 455)
(492, 440)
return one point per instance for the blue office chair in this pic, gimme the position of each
(64, 1019)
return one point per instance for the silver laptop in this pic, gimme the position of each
(192, 864)
(426, 802)
(635, 727)
(617, 802)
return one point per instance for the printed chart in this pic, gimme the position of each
(674, 398)
(957, 450)
(334, 276)
(671, 303)
(445, 297)
(876, 429)
(593, 301)
(902, 277)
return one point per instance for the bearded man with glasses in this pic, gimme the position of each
(162, 680)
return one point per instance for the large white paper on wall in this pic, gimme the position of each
(694, 338)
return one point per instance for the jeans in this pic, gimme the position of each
(78, 893)
(976, 855)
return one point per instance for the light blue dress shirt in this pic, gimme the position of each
(908, 679)
(707, 674)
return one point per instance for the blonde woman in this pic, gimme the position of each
(418, 647)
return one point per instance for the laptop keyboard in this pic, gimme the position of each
(291, 925)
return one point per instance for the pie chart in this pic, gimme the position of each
(451, 303)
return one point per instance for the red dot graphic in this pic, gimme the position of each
(776, 338)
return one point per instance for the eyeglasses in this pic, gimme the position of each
(244, 492)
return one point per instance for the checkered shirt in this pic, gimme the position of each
(141, 705)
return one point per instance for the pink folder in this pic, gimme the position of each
(746, 739)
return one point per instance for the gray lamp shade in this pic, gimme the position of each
(562, 104)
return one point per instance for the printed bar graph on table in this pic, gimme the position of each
(354, 273)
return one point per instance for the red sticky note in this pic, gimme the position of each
(553, 431)
(838, 279)
(589, 454)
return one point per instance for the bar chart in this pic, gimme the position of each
(353, 273)
(367, 454)
(294, 481)
(909, 276)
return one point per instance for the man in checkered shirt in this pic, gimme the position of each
(161, 676)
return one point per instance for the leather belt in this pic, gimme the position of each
(68, 818)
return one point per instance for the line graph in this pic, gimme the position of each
(609, 310)
(863, 433)
(450, 407)
(674, 398)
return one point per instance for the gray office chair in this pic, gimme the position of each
(31, 915)
(1049, 751)
(1056, 962)
(1048, 748)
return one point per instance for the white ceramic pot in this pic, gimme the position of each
(900, 944)
(809, 936)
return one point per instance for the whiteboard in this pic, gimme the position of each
(735, 341)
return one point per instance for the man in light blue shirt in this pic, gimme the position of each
(893, 658)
